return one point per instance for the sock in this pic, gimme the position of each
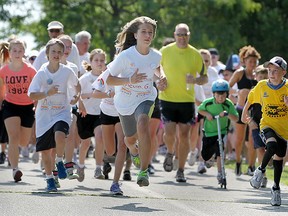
(81, 165)
(278, 167)
(58, 159)
(49, 176)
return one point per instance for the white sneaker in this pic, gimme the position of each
(256, 180)
(175, 164)
(276, 197)
(98, 173)
(201, 168)
(35, 157)
(192, 157)
(25, 152)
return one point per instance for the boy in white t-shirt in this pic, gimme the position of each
(51, 87)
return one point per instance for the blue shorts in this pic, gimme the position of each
(258, 142)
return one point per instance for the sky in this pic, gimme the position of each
(18, 9)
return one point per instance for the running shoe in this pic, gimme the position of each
(136, 160)
(201, 168)
(62, 173)
(51, 186)
(180, 176)
(17, 174)
(115, 189)
(256, 180)
(168, 162)
(251, 170)
(81, 174)
(276, 197)
(2, 157)
(264, 182)
(238, 170)
(127, 175)
(106, 169)
(35, 157)
(25, 152)
(151, 169)
(193, 157)
(209, 163)
(143, 178)
(70, 171)
(98, 174)
(56, 180)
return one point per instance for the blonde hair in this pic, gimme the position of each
(16, 41)
(4, 53)
(65, 37)
(52, 42)
(261, 70)
(126, 39)
(248, 51)
(94, 52)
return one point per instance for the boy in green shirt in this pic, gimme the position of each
(220, 105)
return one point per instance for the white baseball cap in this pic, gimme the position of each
(55, 25)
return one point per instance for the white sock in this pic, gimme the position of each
(49, 176)
(81, 165)
(58, 159)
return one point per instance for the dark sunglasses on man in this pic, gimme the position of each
(54, 30)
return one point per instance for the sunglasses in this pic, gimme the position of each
(54, 30)
(182, 35)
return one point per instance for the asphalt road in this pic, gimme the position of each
(164, 196)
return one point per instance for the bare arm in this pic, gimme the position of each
(135, 78)
(41, 95)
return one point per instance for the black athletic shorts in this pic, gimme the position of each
(25, 112)
(47, 140)
(108, 120)
(281, 143)
(177, 112)
(87, 124)
(210, 147)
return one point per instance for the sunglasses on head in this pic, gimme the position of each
(54, 30)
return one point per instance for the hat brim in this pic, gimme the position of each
(54, 27)
(266, 64)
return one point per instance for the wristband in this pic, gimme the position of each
(109, 93)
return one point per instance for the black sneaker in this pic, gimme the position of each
(106, 169)
(2, 157)
(238, 171)
(127, 175)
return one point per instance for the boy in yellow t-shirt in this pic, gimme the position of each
(272, 95)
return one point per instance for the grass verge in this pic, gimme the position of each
(269, 171)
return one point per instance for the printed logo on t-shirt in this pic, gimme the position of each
(275, 110)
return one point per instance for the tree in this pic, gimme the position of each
(225, 24)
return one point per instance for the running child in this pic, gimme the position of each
(272, 95)
(220, 105)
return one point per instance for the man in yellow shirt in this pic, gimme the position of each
(184, 67)
(272, 95)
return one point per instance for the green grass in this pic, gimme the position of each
(269, 171)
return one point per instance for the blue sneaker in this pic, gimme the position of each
(62, 174)
(115, 189)
(51, 187)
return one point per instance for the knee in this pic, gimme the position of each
(271, 147)
(143, 123)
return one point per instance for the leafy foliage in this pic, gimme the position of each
(225, 24)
